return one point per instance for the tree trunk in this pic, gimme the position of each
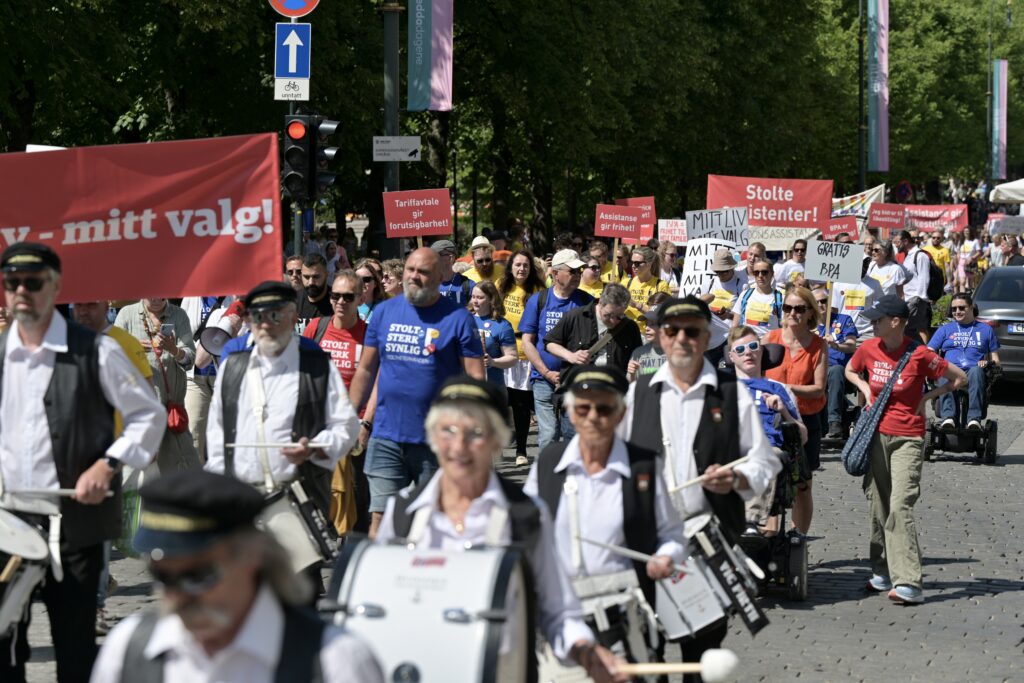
(541, 194)
(437, 146)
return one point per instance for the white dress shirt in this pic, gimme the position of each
(599, 501)
(916, 264)
(558, 609)
(281, 388)
(681, 412)
(251, 657)
(26, 452)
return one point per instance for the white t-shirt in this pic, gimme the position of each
(787, 272)
(854, 299)
(759, 313)
(725, 293)
(889, 276)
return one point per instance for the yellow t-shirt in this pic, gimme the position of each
(137, 355)
(641, 292)
(595, 289)
(496, 274)
(515, 304)
(941, 256)
(608, 272)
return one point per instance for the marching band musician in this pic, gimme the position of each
(458, 507)
(696, 414)
(601, 488)
(60, 387)
(302, 401)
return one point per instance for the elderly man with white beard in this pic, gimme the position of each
(279, 392)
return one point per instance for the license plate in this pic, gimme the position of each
(1015, 328)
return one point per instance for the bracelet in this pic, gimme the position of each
(366, 424)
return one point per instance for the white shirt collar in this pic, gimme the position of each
(287, 361)
(431, 495)
(618, 460)
(55, 339)
(707, 377)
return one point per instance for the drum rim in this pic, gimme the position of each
(14, 523)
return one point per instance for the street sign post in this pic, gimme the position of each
(396, 147)
(293, 9)
(292, 57)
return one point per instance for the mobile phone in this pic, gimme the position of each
(167, 329)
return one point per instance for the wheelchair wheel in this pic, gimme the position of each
(796, 571)
(990, 455)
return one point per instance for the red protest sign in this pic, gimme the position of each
(165, 219)
(622, 222)
(840, 225)
(647, 219)
(937, 217)
(774, 202)
(888, 216)
(418, 213)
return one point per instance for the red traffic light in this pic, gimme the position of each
(296, 130)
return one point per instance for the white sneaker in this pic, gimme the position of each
(947, 425)
(522, 461)
(974, 426)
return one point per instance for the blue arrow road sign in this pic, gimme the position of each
(291, 53)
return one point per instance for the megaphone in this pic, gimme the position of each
(214, 338)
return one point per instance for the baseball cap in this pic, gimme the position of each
(567, 257)
(441, 246)
(890, 305)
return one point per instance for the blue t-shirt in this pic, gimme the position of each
(498, 333)
(245, 343)
(419, 348)
(964, 345)
(760, 386)
(843, 328)
(453, 289)
(208, 302)
(541, 322)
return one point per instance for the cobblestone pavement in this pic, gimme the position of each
(970, 629)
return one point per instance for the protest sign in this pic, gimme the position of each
(833, 261)
(418, 213)
(839, 226)
(1007, 225)
(858, 204)
(165, 219)
(697, 273)
(937, 217)
(728, 224)
(647, 218)
(887, 216)
(617, 222)
(780, 210)
(672, 230)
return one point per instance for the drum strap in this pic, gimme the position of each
(53, 542)
(259, 405)
(497, 520)
(571, 487)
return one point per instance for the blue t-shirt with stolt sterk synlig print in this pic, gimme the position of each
(758, 388)
(541, 322)
(964, 345)
(419, 348)
(842, 329)
(498, 333)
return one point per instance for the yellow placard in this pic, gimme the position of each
(723, 299)
(758, 313)
(854, 300)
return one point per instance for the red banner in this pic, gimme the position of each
(165, 219)
(774, 202)
(841, 225)
(418, 213)
(887, 216)
(936, 217)
(623, 222)
(647, 219)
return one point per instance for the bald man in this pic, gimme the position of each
(417, 341)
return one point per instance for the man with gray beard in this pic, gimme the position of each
(417, 341)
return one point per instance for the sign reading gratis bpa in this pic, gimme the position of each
(833, 261)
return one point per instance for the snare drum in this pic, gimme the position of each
(298, 525)
(24, 556)
(435, 615)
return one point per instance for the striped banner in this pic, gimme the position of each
(430, 54)
(878, 85)
(999, 80)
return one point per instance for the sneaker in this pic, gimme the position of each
(102, 625)
(974, 426)
(879, 583)
(906, 595)
(111, 585)
(835, 430)
(948, 426)
(522, 461)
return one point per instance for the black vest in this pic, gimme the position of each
(310, 414)
(717, 439)
(81, 423)
(299, 661)
(640, 525)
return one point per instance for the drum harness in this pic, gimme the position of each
(42, 508)
(259, 407)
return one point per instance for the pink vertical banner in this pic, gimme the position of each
(431, 48)
(878, 85)
(999, 79)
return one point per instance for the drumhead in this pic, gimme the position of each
(694, 524)
(18, 537)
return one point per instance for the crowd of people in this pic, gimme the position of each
(389, 388)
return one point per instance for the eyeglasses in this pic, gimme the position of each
(740, 349)
(572, 271)
(671, 331)
(877, 250)
(638, 264)
(958, 308)
(297, 271)
(273, 317)
(483, 261)
(822, 302)
(190, 582)
(32, 284)
(349, 297)
(594, 268)
(761, 273)
(475, 435)
(602, 409)
(799, 251)
(367, 279)
(799, 309)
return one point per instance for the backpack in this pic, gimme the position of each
(776, 304)
(936, 279)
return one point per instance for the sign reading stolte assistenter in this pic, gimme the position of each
(418, 213)
(617, 222)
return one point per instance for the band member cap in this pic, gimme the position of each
(269, 294)
(29, 256)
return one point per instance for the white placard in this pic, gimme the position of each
(287, 89)
(1007, 225)
(697, 273)
(724, 224)
(672, 230)
(833, 261)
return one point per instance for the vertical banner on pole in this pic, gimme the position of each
(999, 79)
(878, 85)
(430, 55)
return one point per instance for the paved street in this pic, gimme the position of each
(970, 629)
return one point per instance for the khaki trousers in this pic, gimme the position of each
(198, 394)
(893, 485)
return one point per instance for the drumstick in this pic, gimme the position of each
(61, 493)
(703, 477)
(631, 554)
(311, 444)
(716, 666)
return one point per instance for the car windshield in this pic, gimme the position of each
(1002, 286)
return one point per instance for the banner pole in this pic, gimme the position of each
(828, 308)
(615, 260)
(419, 242)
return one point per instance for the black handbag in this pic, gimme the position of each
(857, 451)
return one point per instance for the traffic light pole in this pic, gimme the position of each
(296, 207)
(391, 12)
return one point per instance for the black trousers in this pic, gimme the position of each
(71, 606)
(521, 403)
(693, 648)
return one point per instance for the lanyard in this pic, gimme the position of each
(259, 405)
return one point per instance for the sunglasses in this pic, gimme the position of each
(877, 250)
(573, 271)
(190, 582)
(638, 264)
(671, 331)
(593, 268)
(297, 271)
(367, 279)
(799, 309)
(273, 317)
(740, 349)
(349, 297)
(762, 273)
(483, 261)
(958, 308)
(602, 409)
(822, 302)
(799, 251)
(32, 284)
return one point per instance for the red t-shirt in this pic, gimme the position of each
(899, 418)
(345, 346)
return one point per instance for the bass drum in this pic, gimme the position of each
(24, 557)
(435, 615)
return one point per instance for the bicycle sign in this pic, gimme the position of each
(292, 57)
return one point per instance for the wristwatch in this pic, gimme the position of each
(367, 424)
(113, 463)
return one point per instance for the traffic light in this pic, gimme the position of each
(320, 156)
(298, 150)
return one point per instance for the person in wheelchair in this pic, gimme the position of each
(972, 346)
(775, 404)
(842, 342)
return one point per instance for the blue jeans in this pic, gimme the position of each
(836, 391)
(975, 396)
(391, 466)
(552, 424)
